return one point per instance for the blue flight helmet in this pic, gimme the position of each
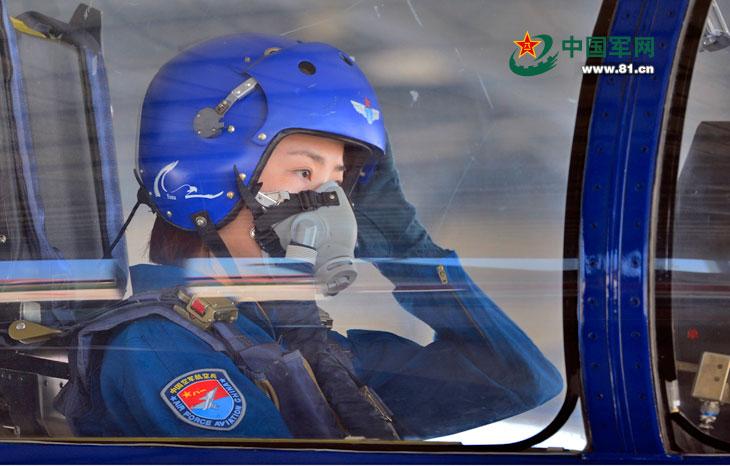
(213, 114)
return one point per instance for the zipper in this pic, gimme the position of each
(441, 270)
(375, 401)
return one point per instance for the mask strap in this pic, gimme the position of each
(304, 201)
(268, 240)
(265, 218)
(297, 203)
(248, 195)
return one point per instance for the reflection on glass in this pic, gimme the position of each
(370, 326)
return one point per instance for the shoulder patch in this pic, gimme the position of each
(205, 398)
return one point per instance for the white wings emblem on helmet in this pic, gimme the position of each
(370, 114)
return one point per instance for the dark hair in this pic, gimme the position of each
(171, 246)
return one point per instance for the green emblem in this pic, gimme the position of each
(527, 47)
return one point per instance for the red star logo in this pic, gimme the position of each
(367, 102)
(527, 45)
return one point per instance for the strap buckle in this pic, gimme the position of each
(325, 318)
(203, 312)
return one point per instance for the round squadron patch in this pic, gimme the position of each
(205, 398)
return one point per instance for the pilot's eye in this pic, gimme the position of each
(305, 173)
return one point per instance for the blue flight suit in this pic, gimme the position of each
(480, 367)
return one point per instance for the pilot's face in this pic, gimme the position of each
(303, 162)
(299, 162)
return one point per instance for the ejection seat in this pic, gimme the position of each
(60, 207)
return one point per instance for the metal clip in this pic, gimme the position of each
(27, 332)
(222, 107)
(325, 318)
(204, 311)
(673, 396)
(273, 198)
(442, 274)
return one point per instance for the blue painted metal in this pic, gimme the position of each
(619, 390)
(115, 454)
(121, 454)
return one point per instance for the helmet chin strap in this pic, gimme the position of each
(208, 233)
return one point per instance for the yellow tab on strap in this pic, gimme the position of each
(26, 331)
(25, 29)
(442, 274)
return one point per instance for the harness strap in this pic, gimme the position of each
(72, 401)
(233, 338)
(138, 309)
(286, 377)
(296, 392)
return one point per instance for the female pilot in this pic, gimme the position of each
(240, 135)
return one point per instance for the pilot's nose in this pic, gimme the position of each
(326, 177)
